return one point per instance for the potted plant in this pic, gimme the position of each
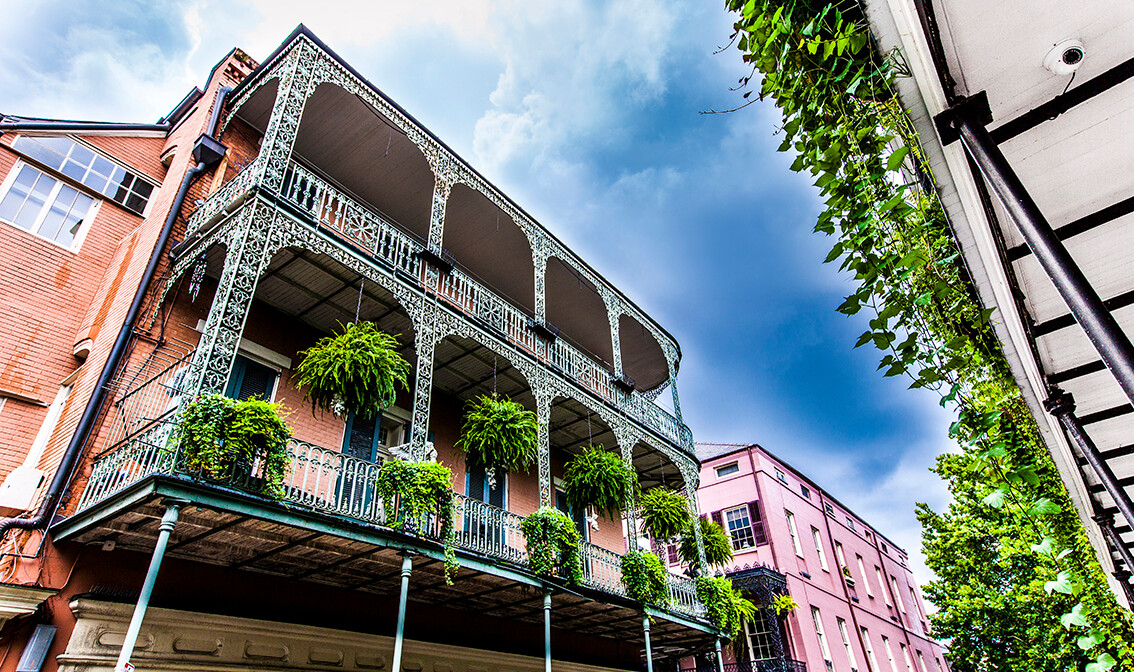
(725, 607)
(783, 605)
(665, 513)
(601, 479)
(847, 576)
(239, 442)
(357, 371)
(416, 495)
(645, 578)
(718, 549)
(499, 433)
(553, 544)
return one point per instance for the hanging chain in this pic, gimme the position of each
(358, 308)
(494, 375)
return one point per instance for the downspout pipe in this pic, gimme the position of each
(82, 430)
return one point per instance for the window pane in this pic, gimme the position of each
(143, 189)
(81, 155)
(74, 220)
(75, 171)
(17, 194)
(103, 167)
(57, 212)
(135, 203)
(117, 176)
(36, 199)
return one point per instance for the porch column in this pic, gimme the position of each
(425, 344)
(399, 635)
(692, 477)
(649, 649)
(720, 656)
(626, 442)
(967, 121)
(539, 261)
(295, 87)
(168, 520)
(547, 631)
(543, 449)
(613, 314)
(244, 261)
(670, 359)
(1062, 406)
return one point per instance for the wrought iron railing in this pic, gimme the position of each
(342, 216)
(768, 665)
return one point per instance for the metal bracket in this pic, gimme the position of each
(975, 107)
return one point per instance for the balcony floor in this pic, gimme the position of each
(226, 527)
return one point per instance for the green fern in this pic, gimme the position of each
(718, 549)
(601, 479)
(665, 513)
(645, 578)
(726, 608)
(553, 544)
(499, 433)
(357, 371)
(422, 490)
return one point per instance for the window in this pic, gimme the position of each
(865, 579)
(251, 379)
(45, 206)
(780, 476)
(871, 661)
(83, 165)
(913, 601)
(761, 630)
(885, 549)
(672, 556)
(882, 585)
(828, 508)
(804, 491)
(725, 470)
(898, 594)
(889, 653)
(822, 637)
(579, 517)
(794, 533)
(839, 557)
(847, 643)
(850, 522)
(921, 661)
(819, 549)
(739, 528)
(906, 656)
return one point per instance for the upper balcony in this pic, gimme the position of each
(307, 133)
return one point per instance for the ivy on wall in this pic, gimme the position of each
(816, 61)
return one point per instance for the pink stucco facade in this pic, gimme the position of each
(878, 606)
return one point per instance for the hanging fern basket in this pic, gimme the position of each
(718, 549)
(499, 433)
(553, 544)
(664, 513)
(601, 479)
(357, 371)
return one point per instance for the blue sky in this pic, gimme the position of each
(589, 115)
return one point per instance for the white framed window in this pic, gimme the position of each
(898, 594)
(865, 578)
(794, 533)
(815, 616)
(46, 206)
(847, 643)
(739, 527)
(850, 522)
(839, 557)
(921, 661)
(88, 167)
(871, 660)
(906, 657)
(728, 469)
(889, 653)
(828, 508)
(913, 601)
(819, 549)
(882, 585)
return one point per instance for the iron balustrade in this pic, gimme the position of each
(342, 216)
(767, 665)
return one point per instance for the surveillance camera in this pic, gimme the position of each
(1065, 57)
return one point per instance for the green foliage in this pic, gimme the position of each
(599, 478)
(665, 513)
(423, 490)
(645, 578)
(840, 119)
(499, 433)
(223, 439)
(726, 608)
(553, 544)
(357, 371)
(718, 549)
(783, 605)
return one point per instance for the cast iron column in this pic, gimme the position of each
(399, 636)
(164, 530)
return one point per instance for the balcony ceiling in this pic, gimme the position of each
(1079, 168)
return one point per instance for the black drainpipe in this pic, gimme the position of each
(206, 152)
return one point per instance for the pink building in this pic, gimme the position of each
(859, 608)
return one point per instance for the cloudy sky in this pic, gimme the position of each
(590, 115)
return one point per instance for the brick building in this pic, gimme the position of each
(859, 607)
(150, 263)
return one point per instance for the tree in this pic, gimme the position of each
(990, 591)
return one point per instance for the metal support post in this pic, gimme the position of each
(1092, 315)
(649, 650)
(399, 636)
(1107, 525)
(1062, 405)
(547, 631)
(720, 655)
(168, 520)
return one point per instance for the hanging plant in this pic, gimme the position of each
(784, 605)
(718, 549)
(357, 371)
(553, 544)
(726, 608)
(423, 491)
(499, 433)
(664, 513)
(223, 439)
(645, 578)
(601, 479)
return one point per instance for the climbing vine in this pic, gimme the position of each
(553, 544)
(416, 494)
(645, 577)
(817, 62)
(726, 608)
